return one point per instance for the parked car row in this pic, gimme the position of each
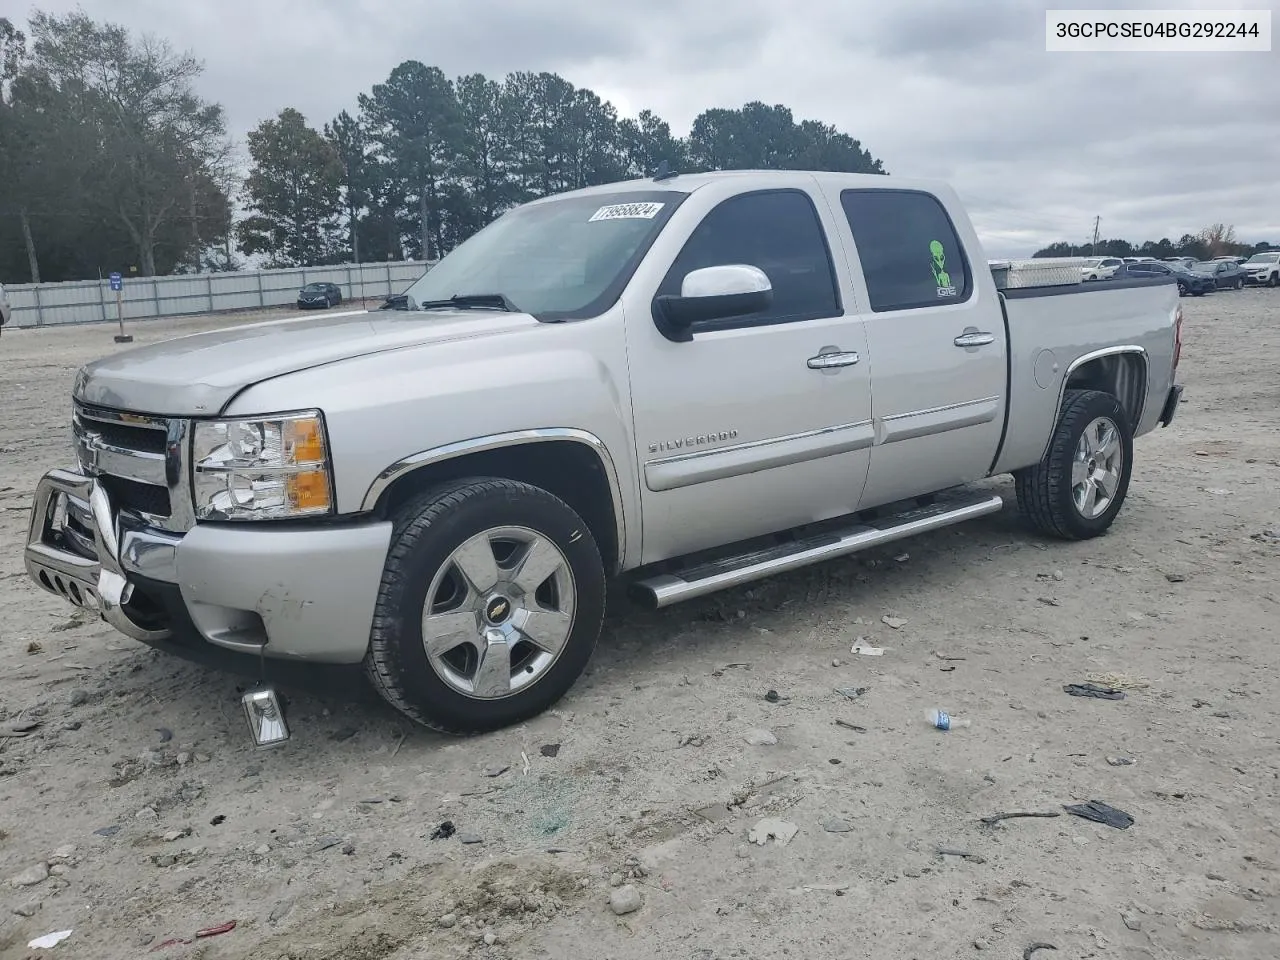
(1194, 277)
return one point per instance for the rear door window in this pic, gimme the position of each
(910, 253)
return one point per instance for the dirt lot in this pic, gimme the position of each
(155, 818)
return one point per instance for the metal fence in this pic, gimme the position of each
(143, 298)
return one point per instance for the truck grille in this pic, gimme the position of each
(138, 460)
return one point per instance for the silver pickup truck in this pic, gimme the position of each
(691, 381)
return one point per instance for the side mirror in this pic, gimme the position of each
(712, 293)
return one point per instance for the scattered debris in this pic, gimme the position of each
(110, 831)
(165, 734)
(550, 749)
(1026, 954)
(524, 758)
(1266, 536)
(773, 696)
(897, 623)
(1050, 601)
(779, 831)
(496, 770)
(851, 726)
(694, 740)
(1132, 922)
(1120, 761)
(20, 729)
(1120, 681)
(867, 651)
(216, 931)
(962, 854)
(218, 821)
(34, 647)
(1099, 812)
(469, 839)
(941, 720)
(1093, 690)
(851, 693)
(444, 831)
(1175, 577)
(761, 738)
(836, 825)
(943, 656)
(49, 940)
(332, 841)
(625, 900)
(997, 817)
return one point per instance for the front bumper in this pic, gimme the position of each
(302, 592)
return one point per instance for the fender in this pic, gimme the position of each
(1080, 361)
(497, 441)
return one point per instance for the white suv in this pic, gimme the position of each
(1101, 268)
(1263, 268)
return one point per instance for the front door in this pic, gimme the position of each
(758, 423)
(937, 343)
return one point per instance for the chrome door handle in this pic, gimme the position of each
(974, 339)
(825, 361)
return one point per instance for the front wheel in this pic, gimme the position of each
(1077, 490)
(1274, 280)
(1182, 289)
(490, 605)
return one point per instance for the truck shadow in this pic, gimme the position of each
(334, 704)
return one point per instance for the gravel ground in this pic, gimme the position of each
(138, 814)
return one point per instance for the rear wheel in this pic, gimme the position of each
(1239, 283)
(490, 606)
(1078, 489)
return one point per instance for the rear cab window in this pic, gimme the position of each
(779, 232)
(910, 252)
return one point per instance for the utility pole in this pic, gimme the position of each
(1093, 250)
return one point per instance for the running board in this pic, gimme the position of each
(667, 588)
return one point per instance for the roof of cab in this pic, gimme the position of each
(689, 182)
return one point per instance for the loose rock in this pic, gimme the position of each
(490, 938)
(625, 900)
(836, 825)
(27, 909)
(761, 738)
(615, 880)
(78, 698)
(447, 921)
(147, 813)
(32, 876)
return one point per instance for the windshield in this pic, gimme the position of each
(1210, 265)
(557, 260)
(313, 288)
(1093, 262)
(1265, 258)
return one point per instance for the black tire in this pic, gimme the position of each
(427, 531)
(1274, 280)
(1045, 491)
(1239, 284)
(1182, 289)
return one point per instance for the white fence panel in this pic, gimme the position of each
(144, 298)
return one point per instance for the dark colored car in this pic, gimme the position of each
(1226, 274)
(1196, 284)
(319, 295)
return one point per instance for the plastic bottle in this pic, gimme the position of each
(944, 721)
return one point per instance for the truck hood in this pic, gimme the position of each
(198, 375)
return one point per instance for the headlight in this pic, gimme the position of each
(263, 468)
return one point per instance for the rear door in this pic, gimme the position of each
(936, 339)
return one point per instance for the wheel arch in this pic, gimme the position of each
(1122, 371)
(572, 464)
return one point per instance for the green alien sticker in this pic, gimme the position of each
(941, 278)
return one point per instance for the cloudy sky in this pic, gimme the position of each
(1157, 144)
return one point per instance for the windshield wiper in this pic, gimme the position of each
(490, 301)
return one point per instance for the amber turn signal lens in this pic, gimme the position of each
(308, 491)
(304, 441)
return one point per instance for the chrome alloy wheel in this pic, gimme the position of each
(498, 612)
(1096, 468)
